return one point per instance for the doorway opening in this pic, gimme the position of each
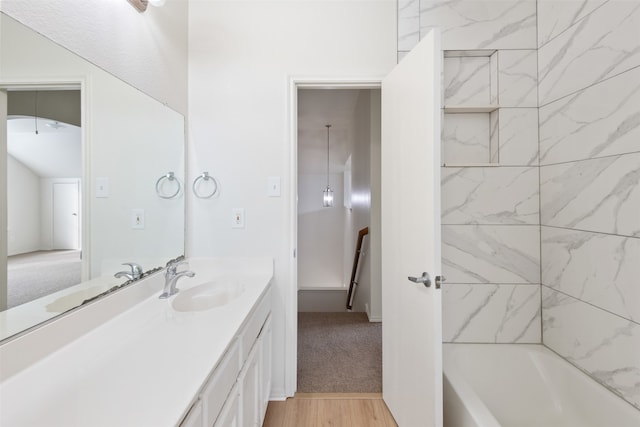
(338, 350)
(43, 190)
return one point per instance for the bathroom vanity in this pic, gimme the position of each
(199, 358)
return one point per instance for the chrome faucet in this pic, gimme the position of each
(135, 273)
(171, 277)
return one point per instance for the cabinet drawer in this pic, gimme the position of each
(254, 324)
(223, 378)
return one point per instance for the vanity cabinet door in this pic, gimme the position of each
(230, 413)
(249, 381)
(221, 381)
(265, 367)
(194, 417)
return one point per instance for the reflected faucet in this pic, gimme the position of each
(171, 278)
(135, 273)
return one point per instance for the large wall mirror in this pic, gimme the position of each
(93, 177)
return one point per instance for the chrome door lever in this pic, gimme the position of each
(424, 279)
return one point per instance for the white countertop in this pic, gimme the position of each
(142, 368)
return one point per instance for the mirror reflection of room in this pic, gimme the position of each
(44, 169)
(126, 141)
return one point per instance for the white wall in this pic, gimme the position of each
(23, 208)
(375, 247)
(147, 50)
(321, 256)
(361, 197)
(242, 56)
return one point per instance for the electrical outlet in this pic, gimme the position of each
(137, 219)
(237, 220)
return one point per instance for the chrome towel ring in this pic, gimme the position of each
(170, 177)
(204, 176)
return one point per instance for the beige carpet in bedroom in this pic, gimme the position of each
(339, 353)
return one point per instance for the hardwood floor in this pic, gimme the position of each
(330, 409)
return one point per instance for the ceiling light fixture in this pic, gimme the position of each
(327, 194)
(54, 125)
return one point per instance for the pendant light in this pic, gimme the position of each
(327, 195)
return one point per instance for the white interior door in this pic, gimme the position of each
(412, 325)
(66, 231)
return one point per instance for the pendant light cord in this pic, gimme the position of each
(36, 113)
(328, 126)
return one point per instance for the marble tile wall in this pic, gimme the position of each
(467, 80)
(518, 78)
(466, 138)
(589, 130)
(490, 195)
(571, 128)
(499, 254)
(600, 194)
(473, 24)
(602, 344)
(491, 313)
(468, 24)
(556, 16)
(568, 267)
(518, 136)
(599, 46)
(490, 214)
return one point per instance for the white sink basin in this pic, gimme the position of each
(74, 299)
(206, 296)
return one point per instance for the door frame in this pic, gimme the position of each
(291, 297)
(57, 83)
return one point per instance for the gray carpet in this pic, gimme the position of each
(37, 274)
(339, 353)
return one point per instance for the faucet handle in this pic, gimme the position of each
(172, 268)
(136, 269)
(175, 260)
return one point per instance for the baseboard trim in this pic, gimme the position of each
(337, 396)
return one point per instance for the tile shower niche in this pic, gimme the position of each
(470, 112)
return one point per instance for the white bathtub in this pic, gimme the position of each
(509, 385)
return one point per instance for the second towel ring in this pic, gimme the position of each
(170, 176)
(204, 176)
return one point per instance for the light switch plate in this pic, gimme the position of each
(137, 219)
(273, 189)
(102, 187)
(237, 220)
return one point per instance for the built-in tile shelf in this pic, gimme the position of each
(469, 53)
(453, 109)
(470, 112)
